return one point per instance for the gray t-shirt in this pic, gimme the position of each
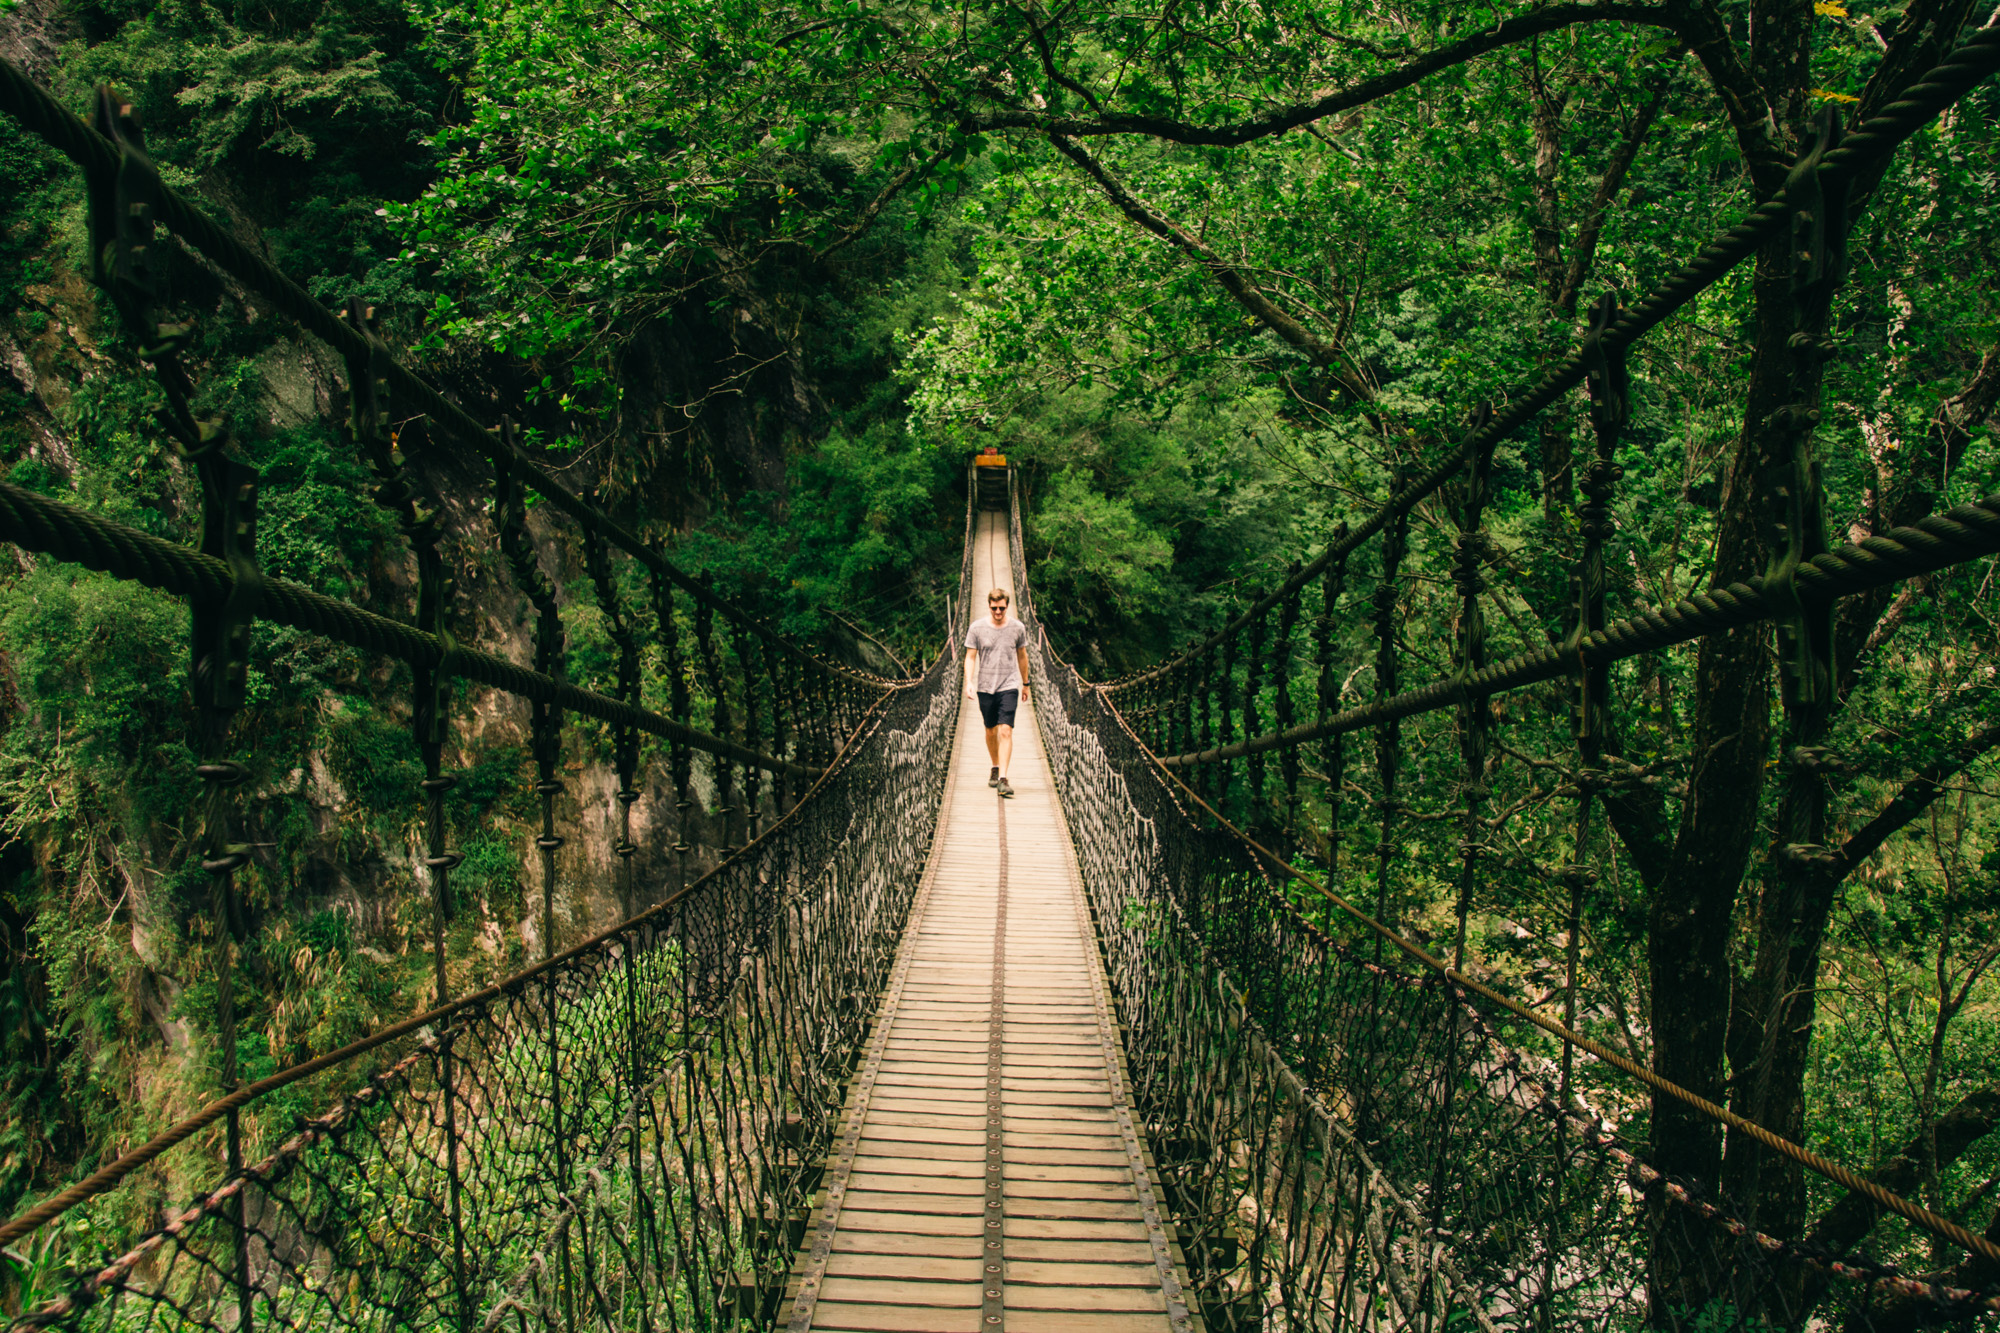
(998, 668)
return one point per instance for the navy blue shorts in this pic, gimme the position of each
(998, 709)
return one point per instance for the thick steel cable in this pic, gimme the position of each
(1974, 61)
(32, 105)
(108, 1176)
(37, 523)
(1967, 532)
(1915, 1214)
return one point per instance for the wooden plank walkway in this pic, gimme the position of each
(988, 1175)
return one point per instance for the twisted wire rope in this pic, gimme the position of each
(38, 523)
(1972, 62)
(1964, 533)
(36, 109)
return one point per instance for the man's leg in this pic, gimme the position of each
(1005, 737)
(993, 745)
(989, 713)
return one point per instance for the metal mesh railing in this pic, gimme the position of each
(1351, 1141)
(626, 1137)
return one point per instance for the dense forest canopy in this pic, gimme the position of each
(1214, 276)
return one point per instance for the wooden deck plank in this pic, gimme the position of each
(883, 1290)
(870, 1164)
(1073, 1321)
(1028, 1249)
(943, 1203)
(1073, 1229)
(923, 1224)
(1067, 1273)
(1124, 1300)
(1071, 1191)
(903, 1245)
(895, 1318)
(872, 1246)
(933, 1268)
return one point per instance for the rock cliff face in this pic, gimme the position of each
(32, 34)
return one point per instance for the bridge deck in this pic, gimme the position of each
(988, 1175)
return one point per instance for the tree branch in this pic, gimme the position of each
(1849, 1221)
(1049, 63)
(1584, 250)
(1506, 33)
(896, 186)
(1228, 276)
(1915, 797)
(1706, 32)
(1909, 496)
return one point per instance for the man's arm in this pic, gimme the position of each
(1021, 656)
(971, 670)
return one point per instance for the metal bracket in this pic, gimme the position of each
(1605, 373)
(510, 517)
(1469, 549)
(435, 589)
(1805, 636)
(1610, 412)
(222, 629)
(125, 258)
(1819, 211)
(219, 677)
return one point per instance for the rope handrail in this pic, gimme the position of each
(36, 522)
(1262, 950)
(112, 1173)
(805, 903)
(1964, 533)
(1941, 1227)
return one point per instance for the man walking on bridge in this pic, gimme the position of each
(996, 669)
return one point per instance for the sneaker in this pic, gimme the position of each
(1005, 790)
(993, 777)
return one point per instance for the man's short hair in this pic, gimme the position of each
(1002, 594)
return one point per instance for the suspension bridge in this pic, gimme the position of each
(1098, 1059)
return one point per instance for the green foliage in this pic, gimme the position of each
(941, 277)
(323, 528)
(30, 177)
(318, 111)
(1097, 550)
(94, 758)
(868, 526)
(491, 871)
